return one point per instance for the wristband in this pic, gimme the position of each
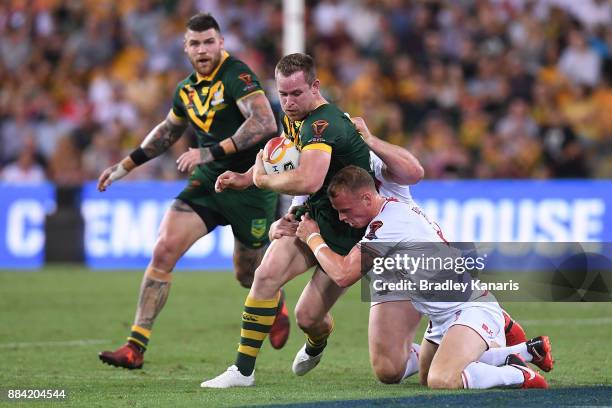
(139, 157)
(217, 151)
(311, 236)
(118, 173)
(319, 248)
(315, 242)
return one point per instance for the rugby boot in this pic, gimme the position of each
(279, 332)
(127, 356)
(541, 351)
(514, 332)
(532, 379)
(232, 377)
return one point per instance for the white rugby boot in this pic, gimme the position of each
(304, 362)
(230, 378)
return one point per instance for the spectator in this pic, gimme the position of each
(25, 170)
(578, 62)
(476, 87)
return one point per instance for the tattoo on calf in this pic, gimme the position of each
(153, 296)
(246, 259)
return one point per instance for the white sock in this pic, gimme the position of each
(479, 375)
(497, 356)
(412, 365)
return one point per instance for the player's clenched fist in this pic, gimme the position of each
(259, 172)
(285, 226)
(361, 127)
(306, 227)
(233, 180)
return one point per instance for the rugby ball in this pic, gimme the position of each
(279, 155)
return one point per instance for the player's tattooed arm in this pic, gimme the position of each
(259, 124)
(163, 136)
(155, 143)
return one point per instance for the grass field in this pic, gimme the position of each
(54, 322)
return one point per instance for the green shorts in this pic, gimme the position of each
(250, 212)
(340, 237)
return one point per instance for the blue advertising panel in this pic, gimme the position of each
(519, 211)
(121, 224)
(22, 224)
(121, 228)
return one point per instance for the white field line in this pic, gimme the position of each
(52, 343)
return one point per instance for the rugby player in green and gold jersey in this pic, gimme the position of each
(328, 141)
(224, 103)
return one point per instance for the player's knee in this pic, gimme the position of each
(388, 373)
(386, 364)
(164, 254)
(304, 318)
(443, 379)
(267, 276)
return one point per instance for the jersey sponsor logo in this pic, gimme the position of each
(318, 127)
(248, 81)
(375, 226)
(258, 227)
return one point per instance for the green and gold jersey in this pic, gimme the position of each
(327, 128)
(209, 103)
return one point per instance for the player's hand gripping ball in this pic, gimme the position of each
(279, 155)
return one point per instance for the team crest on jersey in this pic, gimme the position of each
(216, 103)
(258, 227)
(375, 226)
(318, 127)
(248, 81)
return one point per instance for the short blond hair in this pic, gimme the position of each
(292, 63)
(351, 178)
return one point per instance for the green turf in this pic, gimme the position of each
(196, 336)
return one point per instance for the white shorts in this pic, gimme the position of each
(485, 318)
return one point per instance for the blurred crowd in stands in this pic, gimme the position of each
(474, 88)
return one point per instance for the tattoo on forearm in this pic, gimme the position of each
(161, 138)
(205, 155)
(153, 296)
(259, 124)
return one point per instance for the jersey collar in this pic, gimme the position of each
(209, 77)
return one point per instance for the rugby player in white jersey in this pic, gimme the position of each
(393, 357)
(464, 346)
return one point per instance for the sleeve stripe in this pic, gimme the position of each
(249, 94)
(318, 146)
(176, 117)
